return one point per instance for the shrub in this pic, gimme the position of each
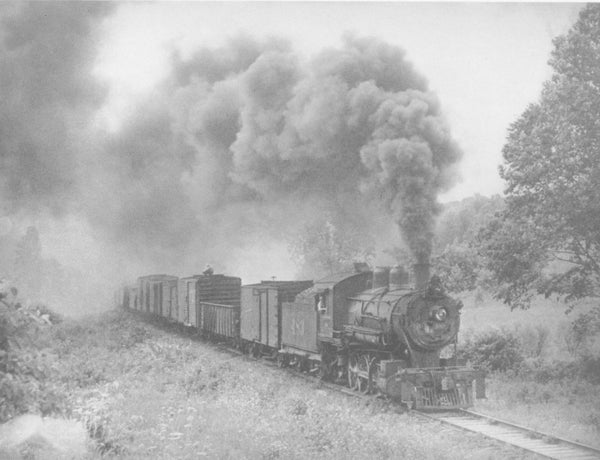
(543, 371)
(27, 386)
(534, 340)
(583, 333)
(25, 374)
(494, 350)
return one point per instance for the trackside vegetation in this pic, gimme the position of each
(146, 390)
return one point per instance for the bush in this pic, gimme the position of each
(494, 350)
(25, 375)
(534, 340)
(542, 371)
(583, 333)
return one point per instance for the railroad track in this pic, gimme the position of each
(509, 433)
(543, 444)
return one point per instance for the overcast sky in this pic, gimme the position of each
(486, 61)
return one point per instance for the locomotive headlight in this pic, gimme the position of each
(440, 314)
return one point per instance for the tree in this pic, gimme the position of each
(460, 221)
(325, 247)
(548, 238)
(456, 259)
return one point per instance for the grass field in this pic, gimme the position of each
(145, 392)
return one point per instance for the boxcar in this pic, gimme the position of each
(132, 299)
(215, 289)
(169, 298)
(261, 310)
(156, 294)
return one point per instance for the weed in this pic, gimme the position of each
(495, 350)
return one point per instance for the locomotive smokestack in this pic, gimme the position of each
(421, 275)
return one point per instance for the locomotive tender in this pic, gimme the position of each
(373, 330)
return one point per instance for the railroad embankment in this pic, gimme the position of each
(144, 391)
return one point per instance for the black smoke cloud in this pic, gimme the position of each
(47, 51)
(353, 126)
(239, 146)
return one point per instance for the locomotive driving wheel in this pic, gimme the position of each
(359, 373)
(365, 374)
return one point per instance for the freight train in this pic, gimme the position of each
(375, 330)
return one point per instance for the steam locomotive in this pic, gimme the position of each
(373, 329)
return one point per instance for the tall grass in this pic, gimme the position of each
(147, 392)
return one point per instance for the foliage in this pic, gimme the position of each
(545, 371)
(460, 268)
(460, 221)
(548, 238)
(494, 350)
(25, 383)
(584, 333)
(326, 247)
(456, 259)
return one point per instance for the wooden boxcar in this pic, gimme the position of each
(215, 289)
(133, 297)
(156, 294)
(261, 310)
(169, 298)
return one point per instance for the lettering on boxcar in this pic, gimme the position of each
(298, 326)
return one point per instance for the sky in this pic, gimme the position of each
(485, 61)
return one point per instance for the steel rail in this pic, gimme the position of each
(537, 442)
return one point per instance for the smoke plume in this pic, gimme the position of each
(353, 126)
(47, 51)
(238, 147)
